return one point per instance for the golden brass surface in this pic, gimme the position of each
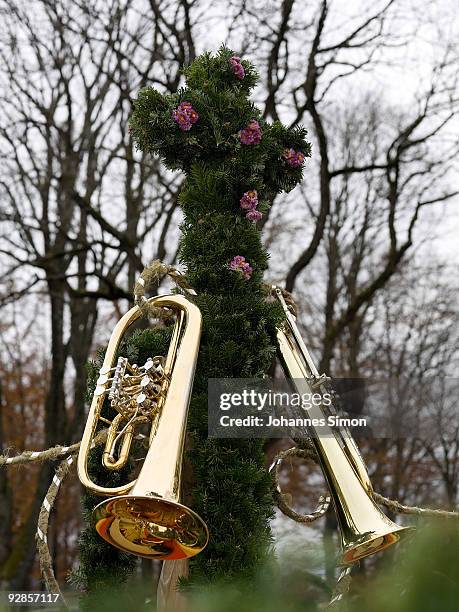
(145, 517)
(364, 528)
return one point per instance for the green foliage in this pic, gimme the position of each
(232, 489)
(424, 579)
(421, 575)
(212, 74)
(213, 142)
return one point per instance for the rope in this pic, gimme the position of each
(50, 454)
(306, 450)
(151, 276)
(288, 297)
(396, 506)
(281, 499)
(342, 586)
(308, 454)
(44, 555)
(343, 582)
(344, 579)
(46, 562)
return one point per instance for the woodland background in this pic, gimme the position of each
(367, 244)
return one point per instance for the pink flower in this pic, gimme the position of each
(293, 158)
(254, 215)
(251, 134)
(239, 264)
(249, 200)
(185, 116)
(247, 270)
(238, 68)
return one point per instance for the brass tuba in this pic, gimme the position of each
(144, 517)
(364, 528)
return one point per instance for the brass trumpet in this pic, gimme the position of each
(144, 517)
(364, 528)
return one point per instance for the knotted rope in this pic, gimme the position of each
(152, 276)
(342, 586)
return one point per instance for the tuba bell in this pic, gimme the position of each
(364, 528)
(145, 517)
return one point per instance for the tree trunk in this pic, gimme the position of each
(18, 567)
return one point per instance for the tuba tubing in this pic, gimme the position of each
(144, 517)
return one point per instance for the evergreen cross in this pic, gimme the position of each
(235, 164)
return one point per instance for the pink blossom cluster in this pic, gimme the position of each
(251, 134)
(249, 202)
(293, 158)
(239, 264)
(185, 115)
(238, 68)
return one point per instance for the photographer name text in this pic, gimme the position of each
(272, 421)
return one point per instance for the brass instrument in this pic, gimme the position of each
(364, 528)
(144, 517)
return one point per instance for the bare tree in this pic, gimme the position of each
(371, 158)
(84, 211)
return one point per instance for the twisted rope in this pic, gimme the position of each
(344, 579)
(310, 455)
(50, 454)
(281, 499)
(307, 453)
(44, 555)
(399, 508)
(288, 297)
(46, 562)
(342, 586)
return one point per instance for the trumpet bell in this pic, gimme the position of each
(355, 548)
(151, 527)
